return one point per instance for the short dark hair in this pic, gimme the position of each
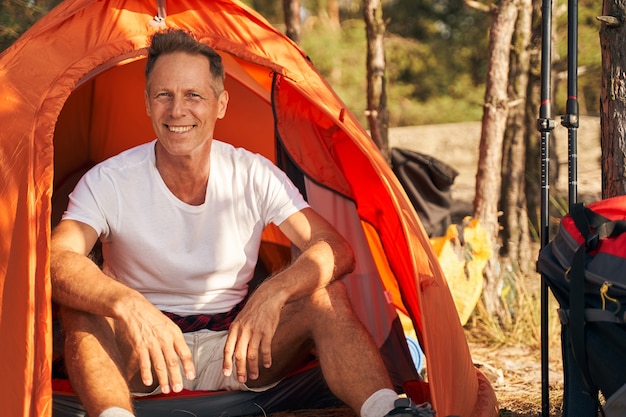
(177, 40)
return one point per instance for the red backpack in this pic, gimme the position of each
(585, 268)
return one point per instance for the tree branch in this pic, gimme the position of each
(481, 7)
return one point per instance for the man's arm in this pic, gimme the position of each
(79, 284)
(325, 256)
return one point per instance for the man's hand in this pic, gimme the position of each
(78, 283)
(158, 344)
(250, 335)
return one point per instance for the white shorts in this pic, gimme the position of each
(207, 352)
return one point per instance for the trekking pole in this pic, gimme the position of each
(545, 124)
(570, 119)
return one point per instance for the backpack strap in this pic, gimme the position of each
(594, 226)
(576, 276)
(591, 315)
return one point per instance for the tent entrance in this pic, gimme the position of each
(106, 114)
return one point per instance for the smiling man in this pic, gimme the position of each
(180, 220)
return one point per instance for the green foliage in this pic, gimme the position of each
(456, 35)
(339, 55)
(16, 16)
(436, 55)
(419, 89)
(272, 10)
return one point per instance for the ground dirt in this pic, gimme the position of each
(513, 369)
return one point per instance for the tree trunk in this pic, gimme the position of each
(293, 29)
(613, 100)
(533, 153)
(515, 236)
(488, 177)
(333, 13)
(377, 112)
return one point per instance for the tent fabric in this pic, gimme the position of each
(71, 94)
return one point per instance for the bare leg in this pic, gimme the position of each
(349, 358)
(93, 362)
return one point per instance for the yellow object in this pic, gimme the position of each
(462, 254)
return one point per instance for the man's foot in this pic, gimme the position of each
(404, 407)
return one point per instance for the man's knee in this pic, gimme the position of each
(332, 301)
(82, 330)
(79, 321)
(94, 336)
(326, 305)
(335, 294)
(338, 289)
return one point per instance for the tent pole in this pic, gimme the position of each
(545, 125)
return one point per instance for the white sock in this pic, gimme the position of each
(379, 403)
(116, 412)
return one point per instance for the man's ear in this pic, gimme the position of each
(222, 103)
(147, 101)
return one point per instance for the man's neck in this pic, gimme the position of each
(186, 176)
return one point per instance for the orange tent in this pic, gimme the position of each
(71, 94)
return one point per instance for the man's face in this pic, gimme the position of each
(181, 102)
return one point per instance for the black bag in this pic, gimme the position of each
(585, 268)
(427, 182)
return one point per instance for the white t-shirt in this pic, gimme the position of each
(185, 259)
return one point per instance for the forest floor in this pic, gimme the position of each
(513, 368)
